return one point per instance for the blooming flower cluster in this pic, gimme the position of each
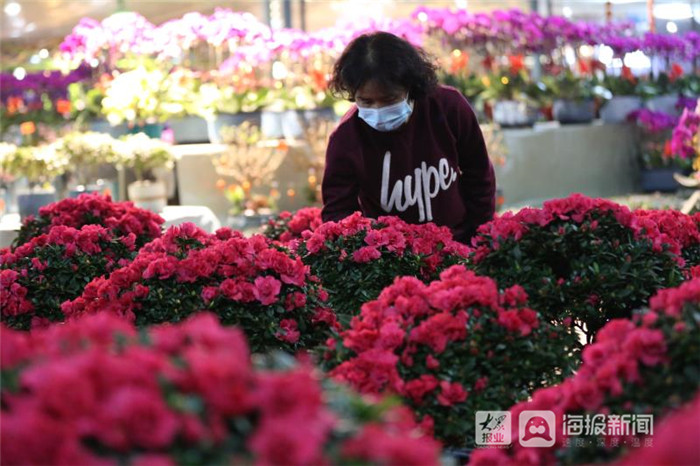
(645, 365)
(685, 140)
(449, 348)
(357, 257)
(579, 258)
(679, 227)
(121, 218)
(246, 281)
(288, 226)
(654, 122)
(36, 277)
(39, 96)
(96, 391)
(515, 31)
(124, 33)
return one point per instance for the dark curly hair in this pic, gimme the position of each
(389, 60)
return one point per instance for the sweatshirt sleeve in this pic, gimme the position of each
(478, 184)
(340, 187)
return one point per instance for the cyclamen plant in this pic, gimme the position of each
(357, 257)
(121, 218)
(644, 365)
(37, 277)
(245, 281)
(581, 260)
(450, 348)
(288, 226)
(97, 391)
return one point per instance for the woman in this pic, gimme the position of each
(409, 147)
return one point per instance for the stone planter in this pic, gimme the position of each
(29, 202)
(148, 195)
(618, 108)
(664, 103)
(152, 130)
(189, 129)
(224, 120)
(514, 114)
(573, 112)
(658, 179)
(103, 126)
(286, 124)
(248, 222)
(290, 123)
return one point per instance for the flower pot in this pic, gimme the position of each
(658, 179)
(286, 124)
(316, 114)
(152, 130)
(148, 195)
(89, 189)
(224, 120)
(103, 126)
(30, 202)
(189, 129)
(664, 103)
(572, 112)
(618, 108)
(513, 114)
(248, 222)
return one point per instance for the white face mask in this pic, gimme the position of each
(387, 118)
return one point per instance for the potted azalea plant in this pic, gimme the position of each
(573, 99)
(39, 165)
(144, 155)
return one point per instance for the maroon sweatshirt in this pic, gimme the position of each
(434, 168)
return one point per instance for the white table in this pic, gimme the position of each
(201, 216)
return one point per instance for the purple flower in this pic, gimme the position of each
(654, 122)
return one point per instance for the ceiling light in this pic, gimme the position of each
(19, 73)
(673, 11)
(13, 9)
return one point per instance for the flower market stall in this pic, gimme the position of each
(170, 293)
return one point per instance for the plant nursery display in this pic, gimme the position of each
(599, 262)
(646, 365)
(184, 394)
(247, 282)
(131, 336)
